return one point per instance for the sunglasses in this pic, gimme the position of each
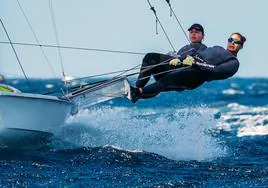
(234, 41)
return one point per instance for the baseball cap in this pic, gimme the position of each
(197, 27)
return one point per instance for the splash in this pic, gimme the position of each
(180, 134)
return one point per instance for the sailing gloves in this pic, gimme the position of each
(189, 60)
(175, 62)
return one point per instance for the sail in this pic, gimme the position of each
(90, 95)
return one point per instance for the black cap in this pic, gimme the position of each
(197, 27)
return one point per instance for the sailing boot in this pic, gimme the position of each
(135, 94)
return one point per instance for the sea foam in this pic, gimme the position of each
(180, 134)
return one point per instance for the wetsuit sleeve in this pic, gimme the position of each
(191, 50)
(184, 54)
(219, 72)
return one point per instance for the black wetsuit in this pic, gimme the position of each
(225, 65)
(157, 64)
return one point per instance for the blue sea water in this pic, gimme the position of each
(214, 136)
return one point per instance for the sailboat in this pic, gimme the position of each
(41, 112)
(44, 113)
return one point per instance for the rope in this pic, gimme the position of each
(171, 70)
(157, 20)
(94, 84)
(17, 57)
(56, 34)
(74, 48)
(158, 64)
(172, 11)
(101, 83)
(128, 75)
(37, 41)
(126, 71)
(121, 72)
(10, 74)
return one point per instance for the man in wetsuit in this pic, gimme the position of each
(196, 36)
(157, 64)
(214, 63)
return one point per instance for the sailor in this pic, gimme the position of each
(196, 36)
(214, 63)
(156, 64)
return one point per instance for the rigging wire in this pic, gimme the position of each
(74, 48)
(36, 39)
(158, 21)
(104, 82)
(56, 33)
(121, 72)
(162, 72)
(127, 70)
(172, 12)
(17, 57)
(10, 74)
(86, 49)
(97, 83)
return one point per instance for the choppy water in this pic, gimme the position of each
(215, 136)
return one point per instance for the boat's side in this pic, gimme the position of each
(110, 89)
(33, 111)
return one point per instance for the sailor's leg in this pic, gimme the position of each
(152, 64)
(178, 80)
(153, 90)
(148, 61)
(163, 67)
(185, 77)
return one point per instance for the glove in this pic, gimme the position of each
(175, 62)
(189, 60)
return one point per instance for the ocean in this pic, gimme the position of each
(214, 136)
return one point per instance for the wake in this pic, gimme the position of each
(180, 134)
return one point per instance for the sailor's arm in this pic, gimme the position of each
(218, 72)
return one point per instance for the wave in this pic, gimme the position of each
(22, 139)
(233, 92)
(174, 133)
(246, 120)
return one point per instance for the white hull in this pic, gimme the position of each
(33, 111)
(45, 113)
